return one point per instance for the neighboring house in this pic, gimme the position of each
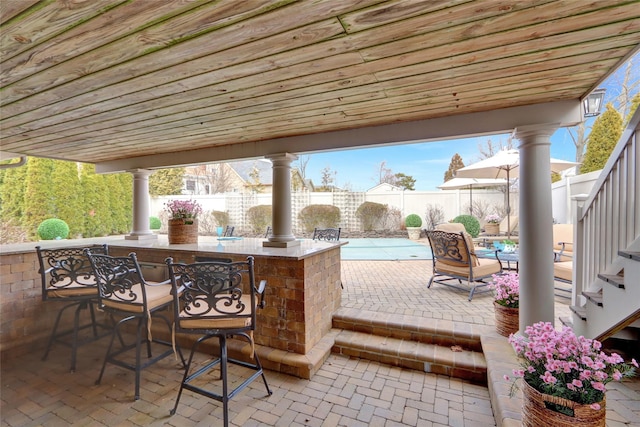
(384, 188)
(243, 176)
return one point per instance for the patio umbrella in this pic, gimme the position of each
(462, 183)
(504, 165)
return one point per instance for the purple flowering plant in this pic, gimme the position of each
(187, 210)
(507, 289)
(558, 363)
(492, 219)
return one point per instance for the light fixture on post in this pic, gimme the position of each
(593, 103)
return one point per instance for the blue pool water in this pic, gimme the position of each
(384, 249)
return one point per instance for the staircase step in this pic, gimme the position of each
(616, 280)
(566, 321)
(454, 361)
(415, 328)
(594, 297)
(580, 311)
(631, 255)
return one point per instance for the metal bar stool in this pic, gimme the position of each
(215, 304)
(123, 292)
(67, 276)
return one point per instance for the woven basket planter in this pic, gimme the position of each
(492, 229)
(181, 233)
(507, 319)
(535, 412)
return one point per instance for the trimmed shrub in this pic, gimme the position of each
(371, 214)
(319, 216)
(222, 218)
(53, 229)
(259, 217)
(413, 220)
(471, 224)
(155, 223)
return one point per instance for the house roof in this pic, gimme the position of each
(158, 83)
(245, 168)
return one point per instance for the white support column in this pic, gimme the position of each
(281, 202)
(536, 227)
(141, 230)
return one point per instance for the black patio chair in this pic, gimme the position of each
(67, 276)
(213, 303)
(228, 231)
(328, 234)
(123, 292)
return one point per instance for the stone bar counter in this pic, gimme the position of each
(293, 333)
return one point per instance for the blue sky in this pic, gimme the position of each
(427, 162)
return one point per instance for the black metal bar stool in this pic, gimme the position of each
(123, 292)
(215, 304)
(67, 276)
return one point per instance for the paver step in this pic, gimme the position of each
(454, 361)
(414, 328)
(594, 297)
(616, 280)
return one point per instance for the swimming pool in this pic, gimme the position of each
(384, 249)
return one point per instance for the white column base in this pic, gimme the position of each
(141, 237)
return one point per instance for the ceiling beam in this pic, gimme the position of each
(561, 114)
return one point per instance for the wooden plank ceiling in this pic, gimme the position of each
(102, 80)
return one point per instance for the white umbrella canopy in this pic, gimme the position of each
(470, 183)
(505, 164)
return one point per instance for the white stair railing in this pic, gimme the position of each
(608, 219)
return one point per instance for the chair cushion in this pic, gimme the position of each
(484, 268)
(563, 233)
(215, 319)
(563, 270)
(73, 291)
(157, 296)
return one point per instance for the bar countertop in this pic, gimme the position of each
(209, 244)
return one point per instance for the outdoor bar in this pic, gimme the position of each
(293, 330)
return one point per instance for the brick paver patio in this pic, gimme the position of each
(345, 392)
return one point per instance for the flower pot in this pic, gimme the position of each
(492, 228)
(181, 232)
(414, 233)
(507, 319)
(536, 411)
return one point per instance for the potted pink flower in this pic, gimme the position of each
(506, 287)
(183, 221)
(565, 376)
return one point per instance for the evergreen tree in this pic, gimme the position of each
(67, 196)
(118, 193)
(456, 163)
(604, 136)
(97, 215)
(166, 182)
(39, 202)
(12, 194)
(405, 181)
(126, 183)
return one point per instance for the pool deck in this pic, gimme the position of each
(344, 392)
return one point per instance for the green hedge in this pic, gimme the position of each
(471, 224)
(319, 216)
(259, 217)
(371, 214)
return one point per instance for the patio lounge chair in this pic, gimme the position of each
(454, 259)
(563, 252)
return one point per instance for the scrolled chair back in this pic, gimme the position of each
(66, 271)
(119, 279)
(214, 295)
